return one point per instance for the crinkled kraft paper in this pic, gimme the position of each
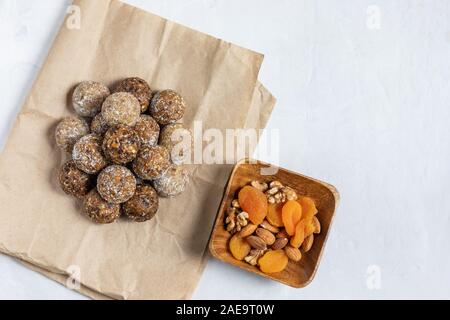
(43, 227)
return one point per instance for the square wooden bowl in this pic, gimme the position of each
(297, 274)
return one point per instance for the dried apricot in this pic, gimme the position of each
(308, 206)
(297, 239)
(274, 214)
(239, 247)
(291, 215)
(273, 261)
(309, 227)
(254, 202)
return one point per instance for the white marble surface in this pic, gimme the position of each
(362, 103)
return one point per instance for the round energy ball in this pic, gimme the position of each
(87, 154)
(73, 181)
(173, 182)
(99, 125)
(116, 184)
(151, 162)
(98, 210)
(167, 107)
(121, 144)
(138, 88)
(148, 130)
(143, 205)
(88, 98)
(178, 140)
(69, 131)
(121, 108)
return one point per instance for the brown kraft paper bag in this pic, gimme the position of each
(40, 225)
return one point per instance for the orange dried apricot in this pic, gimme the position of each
(274, 215)
(254, 202)
(291, 215)
(308, 206)
(309, 227)
(239, 247)
(297, 239)
(273, 261)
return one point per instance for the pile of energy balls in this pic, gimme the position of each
(123, 148)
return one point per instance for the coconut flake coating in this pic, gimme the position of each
(121, 144)
(87, 154)
(99, 125)
(88, 98)
(75, 182)
(167, 107)
(138, 88)
(116, 184)
(121, 108)
(173, 182)
(69, 131)
(151, 162)
(98, 210)
(143, 205)
(178, 140)
(148, 130)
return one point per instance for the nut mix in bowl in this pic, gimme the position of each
(117, 166)
(270, 225)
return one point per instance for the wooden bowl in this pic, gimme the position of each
(297, 274)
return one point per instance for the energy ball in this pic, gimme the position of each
(121, 108)
(116, 184)
(98, 210)
(151, 162)
(73, 181)
(121, 144)
(178, 141)
(143, 205)
(69, 131)
(138, 88)
(88, 98)
(167, 107)
(99, 125)
(87, 154)
(173, 182)
(148, 130)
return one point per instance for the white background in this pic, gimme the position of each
(363, 103)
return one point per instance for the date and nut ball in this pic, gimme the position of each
(69, 131)
(138, 88)
(121, 108)
(116, 184)
(121, 144)
(178, 140)
(87, 154)
(88, 98)
(151, 162)
(75, 182)
(99, 210)
(173, 182)
(143, 205)
(99, 125)
(148, 130)
(167, 107)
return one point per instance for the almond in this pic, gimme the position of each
(248, 230)
(293, 253)
(316, 223)
(266, 225)
(282, 234)
(266, 235)
(307, 243)
(280, 243)
(256, 242)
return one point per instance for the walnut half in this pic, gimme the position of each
(235, 220)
